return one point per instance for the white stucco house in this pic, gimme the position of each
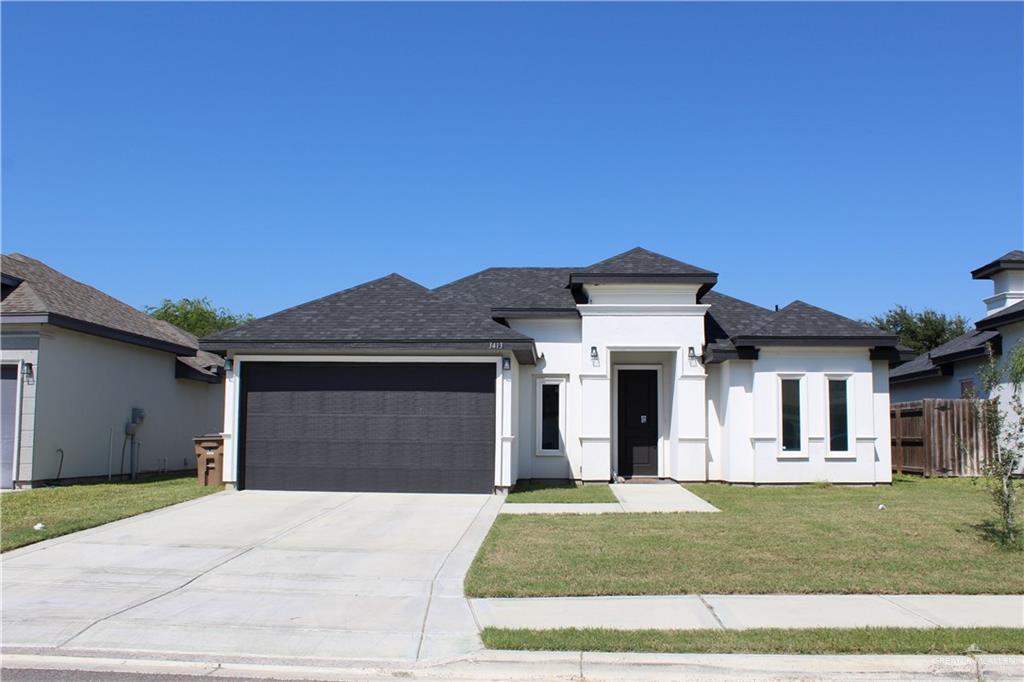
(80, 370)
(952, 370)
(631, 367)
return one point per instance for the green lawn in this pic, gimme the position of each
(560, 492)
(947, 641)
(794, 539)
(66, 509)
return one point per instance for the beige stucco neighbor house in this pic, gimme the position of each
(92, 387)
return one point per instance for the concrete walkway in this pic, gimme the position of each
(740, 612)
(633, 498)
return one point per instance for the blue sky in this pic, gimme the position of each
(854, 156)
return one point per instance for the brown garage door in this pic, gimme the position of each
(399, 427)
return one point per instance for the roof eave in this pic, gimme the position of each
(986, 271)
(524, 349)
(830, 341)
(970, 353)
(184, 371)
(93, 329)
(929, 373)
(708, 278)
(999, 320)
(526, 313)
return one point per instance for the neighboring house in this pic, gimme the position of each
(75, 364)
(631, 367)
(951, 370)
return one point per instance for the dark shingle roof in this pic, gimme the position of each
(730, 316)
(1014, 313)
(390, 309)
(969, 345)
(530, 288)
(1011, 260)
(43, 291)
(512, 288)
(396, 310)
(800, 320)
(639, 261)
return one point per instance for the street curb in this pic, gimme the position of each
(515, 665)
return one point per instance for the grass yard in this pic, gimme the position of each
(946, 641)
(560, 492)
(66, 509)
(794, 539)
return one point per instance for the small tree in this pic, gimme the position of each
(921, 331)
(1002, 417)
(197, 315)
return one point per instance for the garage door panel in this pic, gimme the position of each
(402, 427)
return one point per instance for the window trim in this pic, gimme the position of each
(542, 380)
(850, 440)
(802, 453)
(851, 418)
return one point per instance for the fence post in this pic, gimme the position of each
(898, 434)
(927, 416)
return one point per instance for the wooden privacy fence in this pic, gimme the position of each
(938, 438)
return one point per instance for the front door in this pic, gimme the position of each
(638, 422)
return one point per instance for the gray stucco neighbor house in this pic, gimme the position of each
(951, 370)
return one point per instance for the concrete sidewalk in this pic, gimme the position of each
(632, 498)
(688, 612)
(529, 665)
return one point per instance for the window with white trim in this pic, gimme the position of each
(792, 440)
(550, 425)
(838, 416)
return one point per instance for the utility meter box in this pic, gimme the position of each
(210, 459)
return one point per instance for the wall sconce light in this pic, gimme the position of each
(26, 372)
(593, 353)
(506, 364)
(229, 364)
(692, 354)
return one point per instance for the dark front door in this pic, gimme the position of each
(638, 422)
(397, 427)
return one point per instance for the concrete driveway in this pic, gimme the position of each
(270, 574)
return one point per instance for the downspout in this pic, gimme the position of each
(110, 453)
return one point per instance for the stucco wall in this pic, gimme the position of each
(947, 387)
(719, 423)
(86, 387)
(752, 426)
(558, 345)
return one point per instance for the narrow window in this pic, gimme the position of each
(967, 389)
(549, 439)
(838, 418)
(791, 414)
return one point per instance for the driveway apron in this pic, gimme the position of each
(370, 576)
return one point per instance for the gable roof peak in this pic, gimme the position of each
(641, 261)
